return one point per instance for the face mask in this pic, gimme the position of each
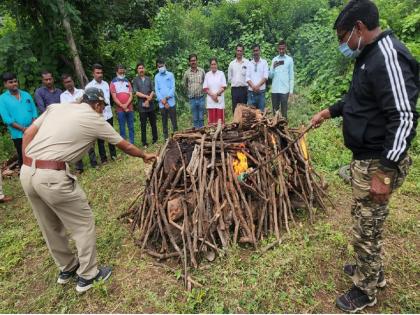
(162, 69)
(121, 77)
(347, 51)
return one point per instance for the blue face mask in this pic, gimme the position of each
(162, 70)
(347, 51)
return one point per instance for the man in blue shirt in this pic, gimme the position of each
(17, 110)
(47, 94)
(281, 71)
(165, 93)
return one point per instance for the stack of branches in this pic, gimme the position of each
(195, 204)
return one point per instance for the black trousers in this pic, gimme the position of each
(279, 99)
(92, 158)
(18, 147)
(101, 146)
(239, 96)
(151, 116)
(171, 113)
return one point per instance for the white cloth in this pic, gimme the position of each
(256, 71)
(214, 82)
(104, 86)
(1, 187)
(237, 72)
(67, 97)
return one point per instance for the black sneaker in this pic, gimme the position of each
(84, 284)
(65, 276)
(351, 269)
(354, 300)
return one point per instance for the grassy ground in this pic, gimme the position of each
(302, 275)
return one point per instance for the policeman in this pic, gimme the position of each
(62, 135)
(379, 123)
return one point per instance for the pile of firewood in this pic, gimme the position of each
(217, 186)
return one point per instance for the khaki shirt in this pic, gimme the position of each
(67, 131)
(193, 81)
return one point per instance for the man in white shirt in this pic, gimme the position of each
(237, 78)
(71, 94)
(282, 73)
(74, 95)
(256, 77)
(99, 83)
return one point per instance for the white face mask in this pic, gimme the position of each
(162, 69)
(347, 51)
(121, 77)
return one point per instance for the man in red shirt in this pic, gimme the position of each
(121, 92)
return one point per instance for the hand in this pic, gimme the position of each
(319, 118)
(149, 157)
(214, 97)
(146, 104)
(256, 89)
(379, 191)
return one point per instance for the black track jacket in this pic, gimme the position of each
(379, 111)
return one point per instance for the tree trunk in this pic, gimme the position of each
(78, 66)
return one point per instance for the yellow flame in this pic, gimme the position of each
(240, 165)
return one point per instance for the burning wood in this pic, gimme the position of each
(197, 201)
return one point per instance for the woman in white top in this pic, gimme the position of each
(214, 86)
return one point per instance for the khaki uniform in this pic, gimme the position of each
(66, 132)
(368, 222)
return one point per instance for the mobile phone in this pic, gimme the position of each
(279, 63)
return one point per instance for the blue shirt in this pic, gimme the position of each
(165, 87)
(43, 97)
(21, 112)
(283, 75)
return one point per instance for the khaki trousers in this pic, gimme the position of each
(60, 206)
(1, 187)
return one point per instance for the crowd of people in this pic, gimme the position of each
(248, 80)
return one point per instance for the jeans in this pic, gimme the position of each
(280, 99)
(151, 116)
(101, 146)
(171, 112)
(123, 119)
(18, 146)
(197, 109)
(239, 96)
(257, 99)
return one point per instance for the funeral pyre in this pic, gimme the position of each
(197, 201)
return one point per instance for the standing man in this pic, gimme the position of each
(47, 94)
(143, 88)
(256, 77)
(193, 81)
(379, 123)
(17, 110)
(165, 93)
(121, 92)
(71, 94)
(61, 135)
(237, 77)
(282, 73)
(3, 197)
(74, 95)
(99, 83)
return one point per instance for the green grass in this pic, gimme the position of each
(303, 274)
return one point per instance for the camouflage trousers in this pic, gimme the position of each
(368, 222)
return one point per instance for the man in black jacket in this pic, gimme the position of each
(379, 123)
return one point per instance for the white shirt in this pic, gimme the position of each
(67, 97)
(105, 88)
(214, 82)
(237, 72)
(256, 71)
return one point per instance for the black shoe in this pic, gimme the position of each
(65, 276)
(84, 284)
(351, 269)
(354, 300)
